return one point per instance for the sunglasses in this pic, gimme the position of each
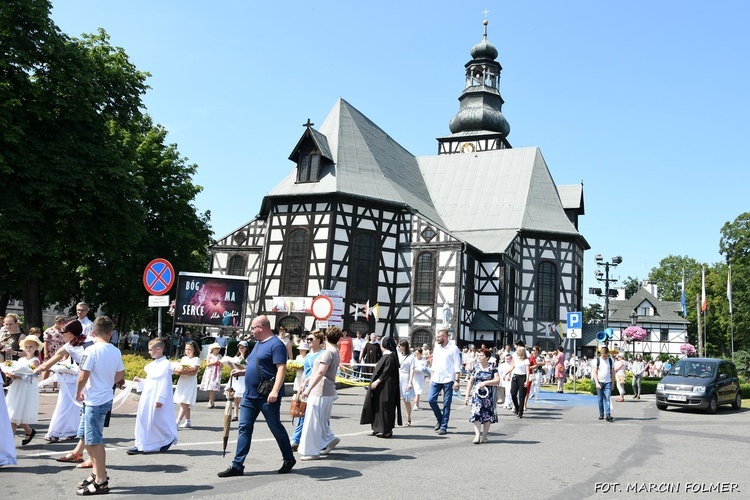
(310, 339)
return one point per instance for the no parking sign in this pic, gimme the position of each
(158, 277)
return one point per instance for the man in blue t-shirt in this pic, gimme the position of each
(267, 361)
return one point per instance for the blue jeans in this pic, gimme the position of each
(297, 434)
(249, 411)
(604, 394)
(444, 416)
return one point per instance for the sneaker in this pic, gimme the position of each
(328, 449)
(186, 425)
(295, 446)
(437, 426)
(610, 418)
(133, 450)
(231, 472)
(601, 417)
(287, 466)
(442, 432)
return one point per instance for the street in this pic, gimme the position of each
(558, 450)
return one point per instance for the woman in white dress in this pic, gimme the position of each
(420, 367)
(65, 417)
(23, 395)
(186, 392)
(406, 377)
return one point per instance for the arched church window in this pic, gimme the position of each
(295, 264)
(546, 286)
(424, 283)
(236, 266)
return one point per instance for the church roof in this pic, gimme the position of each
(571, 196)
(484, 198)
(490, 196)
(368, 164)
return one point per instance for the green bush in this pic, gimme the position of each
(745, 391)
(648, 385)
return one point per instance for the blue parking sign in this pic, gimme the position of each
(575, 320)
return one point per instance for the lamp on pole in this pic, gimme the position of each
(604, 278)
(633, 322)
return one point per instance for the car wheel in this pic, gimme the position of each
(713, 404)
(661, 406)
(737, 403)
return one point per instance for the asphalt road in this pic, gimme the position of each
(559, 450)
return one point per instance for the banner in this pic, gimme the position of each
(211, 300)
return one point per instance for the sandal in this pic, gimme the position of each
(89, 480)
(94, 489)
(71, 457)
(88, 464)
(51, 439)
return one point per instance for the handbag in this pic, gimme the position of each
(266, 386)
(297, 407)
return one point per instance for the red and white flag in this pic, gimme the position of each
(704, 304)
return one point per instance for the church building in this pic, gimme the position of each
(477, 239)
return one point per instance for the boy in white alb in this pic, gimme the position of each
(101, 369)
(155, 428)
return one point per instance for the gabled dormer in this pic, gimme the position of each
(311, 154)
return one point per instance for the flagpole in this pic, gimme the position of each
(700, 334)
(731, 315)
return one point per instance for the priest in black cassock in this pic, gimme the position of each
(383, 396)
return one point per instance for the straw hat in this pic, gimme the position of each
(213, 346)
(304, 346)
(31, 338)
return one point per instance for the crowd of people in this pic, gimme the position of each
(88, 366)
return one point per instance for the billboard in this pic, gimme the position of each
(210, 300)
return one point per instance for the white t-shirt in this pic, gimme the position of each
(519, 365)
(103, 360)
(603, 371)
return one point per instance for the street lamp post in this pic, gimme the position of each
(633, 322)
(604, 277)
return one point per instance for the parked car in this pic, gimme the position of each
(702, 383)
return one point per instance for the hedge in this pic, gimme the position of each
(648, 386)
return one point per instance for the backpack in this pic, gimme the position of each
(611, 366)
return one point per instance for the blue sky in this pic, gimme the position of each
(643, 101)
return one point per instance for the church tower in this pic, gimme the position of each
(479, 124)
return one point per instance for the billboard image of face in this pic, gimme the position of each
(210, 300)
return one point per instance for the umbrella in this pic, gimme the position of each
(229, 393)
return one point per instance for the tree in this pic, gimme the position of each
(668, 276)
(631, 285)
(89, 188)
(593, 313)
(734, 244)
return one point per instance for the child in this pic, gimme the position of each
(186, 391)
(212, 375)
(154, 422)
(238, 383)
(23, 395)
(420, 367)
(101, 367)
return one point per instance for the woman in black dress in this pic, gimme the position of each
(382, 401)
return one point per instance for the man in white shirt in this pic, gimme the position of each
(604, 374)
(82, 311)
(444, 376)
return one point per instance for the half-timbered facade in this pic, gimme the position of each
(477, 239)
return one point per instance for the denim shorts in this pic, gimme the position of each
(91, 427)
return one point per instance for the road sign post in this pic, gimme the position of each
(158, 278)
